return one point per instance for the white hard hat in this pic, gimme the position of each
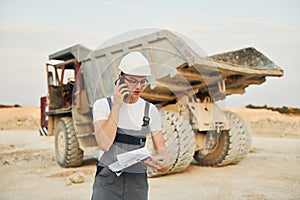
(134, 63)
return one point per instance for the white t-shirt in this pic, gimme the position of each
(130, 115)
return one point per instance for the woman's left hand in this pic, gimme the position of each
(157, 162)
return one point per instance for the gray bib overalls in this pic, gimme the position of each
(132, 184)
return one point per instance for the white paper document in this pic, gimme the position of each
(127, 159)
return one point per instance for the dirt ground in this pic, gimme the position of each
(28, 169)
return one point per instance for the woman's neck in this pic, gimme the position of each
(131, 100)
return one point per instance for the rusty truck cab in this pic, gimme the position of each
(61, 72)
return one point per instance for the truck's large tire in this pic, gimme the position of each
(186, 143)
(68, 153)
(232, 145)
(239, 125)
(179, 139)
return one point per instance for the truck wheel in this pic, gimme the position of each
(231, 147)
(186, 143)
(68, 153)
(241, 127)
(179, 139)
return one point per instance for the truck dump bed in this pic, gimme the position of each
(177, 67)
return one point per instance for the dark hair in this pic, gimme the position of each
(122, 73)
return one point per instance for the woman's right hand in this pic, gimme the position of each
(119, 93)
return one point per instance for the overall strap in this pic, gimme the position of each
(128, 139)
(109, 102)
(146, 118)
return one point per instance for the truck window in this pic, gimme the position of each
(69, 76)
(52, 79)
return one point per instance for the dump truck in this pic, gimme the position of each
(186, 86)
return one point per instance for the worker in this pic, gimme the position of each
(121, 124)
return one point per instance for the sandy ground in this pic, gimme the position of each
(20, 118)
(28, 169)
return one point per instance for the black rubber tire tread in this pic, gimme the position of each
(73, 155)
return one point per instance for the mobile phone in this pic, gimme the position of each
(122, 80)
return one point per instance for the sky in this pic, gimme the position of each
(31, 30)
